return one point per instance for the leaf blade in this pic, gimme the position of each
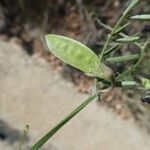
(61, 123)
(123, 58)
(111, 49)
(77, 55)
(128, 39)
(131, 5)
(143, 17)
(121, 29)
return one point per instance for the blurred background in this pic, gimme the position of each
(38, 89)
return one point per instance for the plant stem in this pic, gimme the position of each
(25, 132)
(48, 135)
(111, 49)
(132, 68)
(121, 34)
(109, 37)
(95, 88)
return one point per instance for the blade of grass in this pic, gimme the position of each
(48, 135)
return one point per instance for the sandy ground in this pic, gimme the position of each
(32, 93)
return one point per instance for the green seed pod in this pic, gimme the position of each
(78, 55)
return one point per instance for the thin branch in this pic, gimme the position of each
(109, 37)
(121, 34)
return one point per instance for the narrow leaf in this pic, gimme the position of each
(123, 58)
(129, 83)
(77, 55)
(47, 136)
(111, 49)
(131, 5)
(121, 29)
(121, 34)
(143, 17)
(128, 39)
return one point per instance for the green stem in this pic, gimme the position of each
(48, 135)
(109, 37)
(95, 88)
(121, 34)
(25, 132)
(132, 68)
(111, 49)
